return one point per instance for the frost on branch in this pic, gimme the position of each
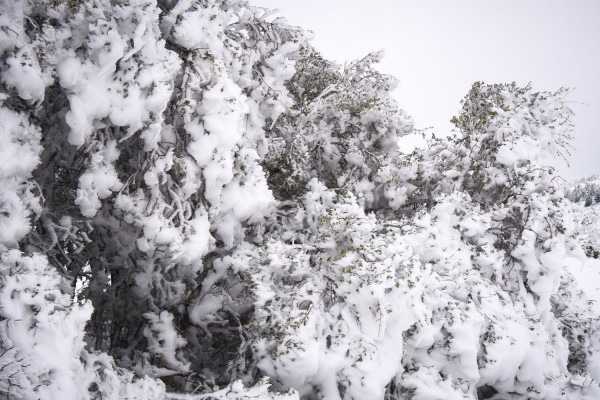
(42, 340)
(342, 129)
(194, 203)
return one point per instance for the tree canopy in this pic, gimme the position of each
(195, 203)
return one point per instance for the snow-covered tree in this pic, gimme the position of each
(586, 191)
(194, 203)
(342, 129)
(462, 278)
(143, 121)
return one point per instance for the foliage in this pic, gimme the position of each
(194, 203)
(586, 191)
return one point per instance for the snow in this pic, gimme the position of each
(164, 340)
(211, 202)
(19, 150)
(52, 349)
(200, 242)
(100, 180)
(588, 277)
(202, 29)
(69, 72)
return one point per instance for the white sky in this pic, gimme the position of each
(438, 48)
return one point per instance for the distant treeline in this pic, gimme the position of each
(586, 191)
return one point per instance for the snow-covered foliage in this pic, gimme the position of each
(585, 191)
(588, 228)
(195, 204)
(342, 129)
(42, 337)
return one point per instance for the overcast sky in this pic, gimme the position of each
(439, 48)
